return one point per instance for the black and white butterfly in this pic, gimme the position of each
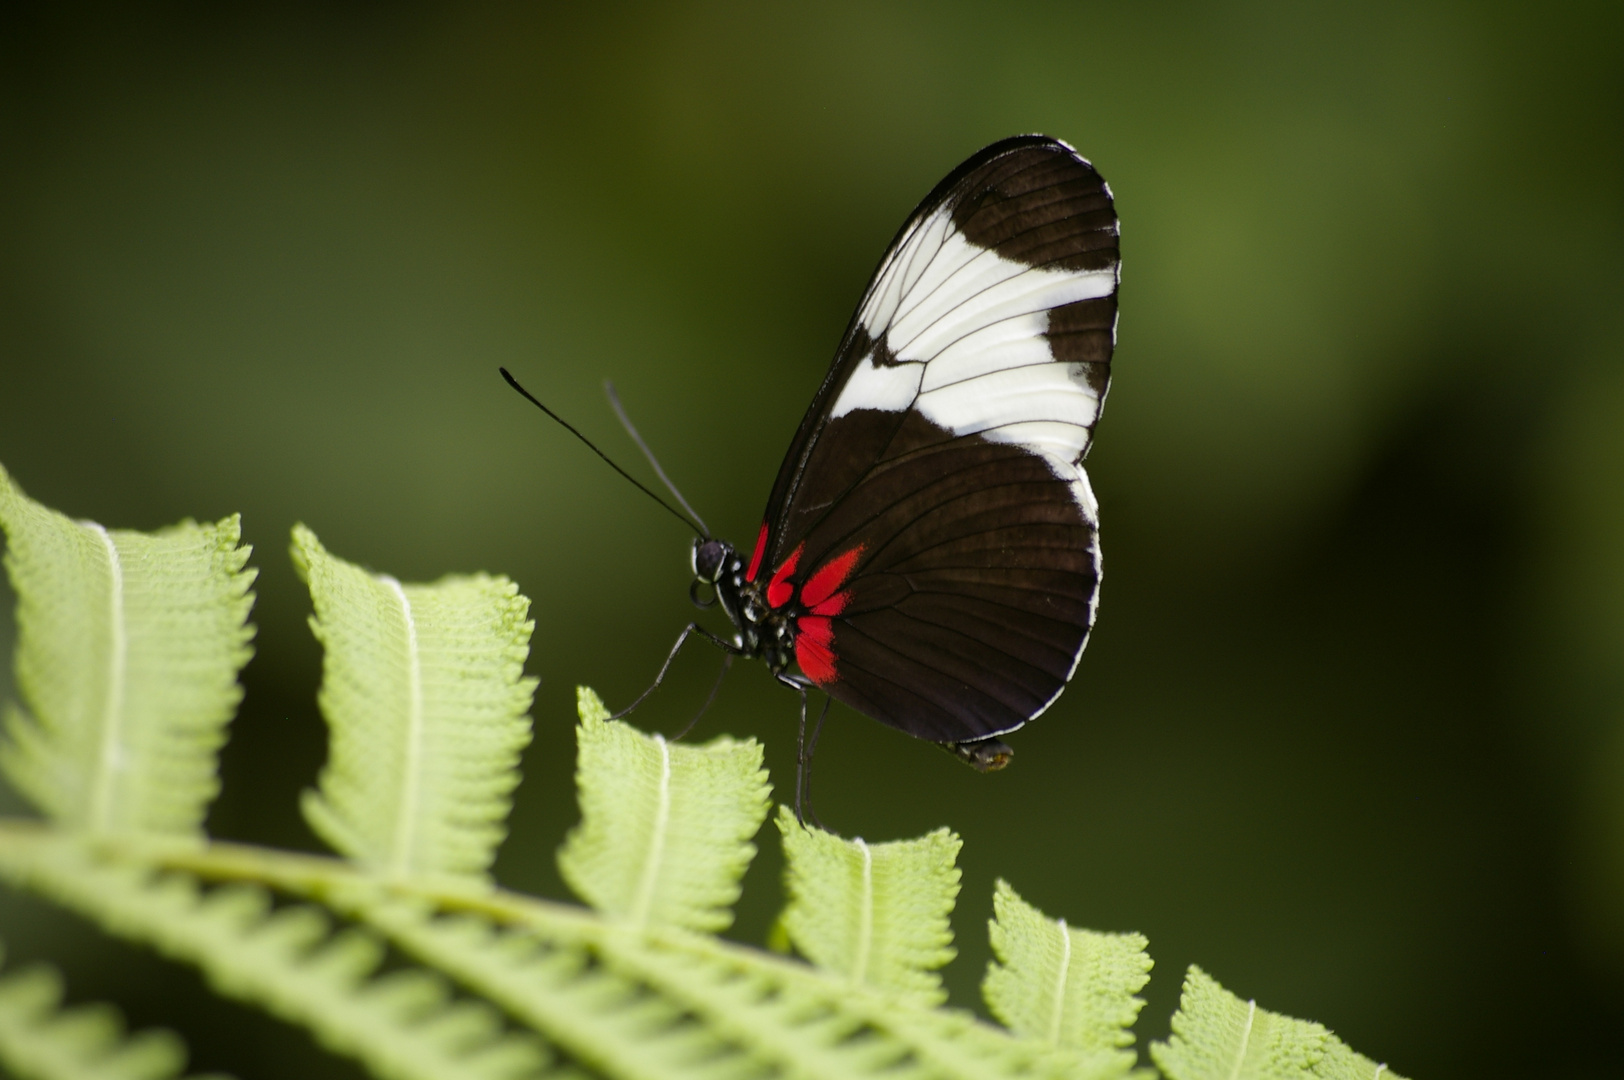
(930, 551)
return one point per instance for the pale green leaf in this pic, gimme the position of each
(40, 1040)
(874, 913)
(1064, 986)
(128, 648)
(403, 1025)
(665, 828)
(1217, 1036)
(427, 711)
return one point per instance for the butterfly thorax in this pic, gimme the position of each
(763, 631)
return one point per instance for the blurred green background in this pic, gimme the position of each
(1350, 733)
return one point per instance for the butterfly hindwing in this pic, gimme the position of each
(932, 517)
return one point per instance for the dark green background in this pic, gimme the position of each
(1350, 733)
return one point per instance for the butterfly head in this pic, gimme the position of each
(710, 559)
(719, 571)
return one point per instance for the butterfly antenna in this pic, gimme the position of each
(626, 422)
(703, 532)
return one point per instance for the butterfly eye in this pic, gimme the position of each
(709, 555)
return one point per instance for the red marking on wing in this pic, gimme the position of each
(834, 605)
(778, 589)
(814, 648)
(833, 574)
(761, 549)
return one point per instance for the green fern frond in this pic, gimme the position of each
(665, 828)
(1067, 987)
(424, 694)
(662, 1002)
(427, 706)
(1217, 1036)
(667, 1005)
(874, 913)
(649, 1002)
(128, 648)
(403, 1025)
(40, 1040)
(627, 1001)
(608, 1022)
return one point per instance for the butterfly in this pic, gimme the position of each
(929, 554)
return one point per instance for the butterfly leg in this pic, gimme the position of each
(800, 749)
(682, 639)
(811, 751)
(804, 752)
(727, 662)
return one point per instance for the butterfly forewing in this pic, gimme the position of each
(932, 519)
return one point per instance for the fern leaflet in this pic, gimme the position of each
(128, 649)
(426, 702)
(875, 913)
(1066, 987)
(1217, 1036)
(665, 828)
(40, 1040)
